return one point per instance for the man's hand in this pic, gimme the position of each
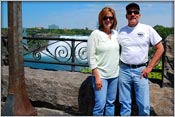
(157, 55)
(146, 71)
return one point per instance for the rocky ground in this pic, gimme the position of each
(58, 93)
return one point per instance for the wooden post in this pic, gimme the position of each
(17, 103)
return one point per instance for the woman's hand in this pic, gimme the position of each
(98, 83)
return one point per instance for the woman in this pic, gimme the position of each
(103, 59)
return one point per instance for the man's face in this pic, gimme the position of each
(133, 16)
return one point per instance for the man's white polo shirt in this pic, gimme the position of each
(135, 43)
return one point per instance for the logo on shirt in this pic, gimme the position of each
(140, 34)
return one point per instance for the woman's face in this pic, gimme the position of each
(108, 20)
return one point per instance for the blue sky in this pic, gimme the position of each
(81, 14)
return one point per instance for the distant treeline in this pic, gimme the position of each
(32, 32)
(57, 32)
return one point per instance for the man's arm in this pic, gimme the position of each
(157, 55)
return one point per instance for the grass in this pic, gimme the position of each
(86, 70)
(156, 75)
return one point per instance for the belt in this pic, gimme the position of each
(134, 66)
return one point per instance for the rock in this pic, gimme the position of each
(50, 112)
(57, 88)
(169, 60)
(71, 93)
(162, 100)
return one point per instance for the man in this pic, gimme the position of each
(135, 39)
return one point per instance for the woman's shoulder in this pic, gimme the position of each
(114, 31)
(96, 31)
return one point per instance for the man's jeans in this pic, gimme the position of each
(127, 77)
(105, 98)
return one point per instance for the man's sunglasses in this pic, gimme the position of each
(130, 12)
(110, 18)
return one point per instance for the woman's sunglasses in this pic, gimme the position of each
(110, 18)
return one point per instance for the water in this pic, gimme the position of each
(46, 66)
(45, 58)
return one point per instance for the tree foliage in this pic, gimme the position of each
(164, 31)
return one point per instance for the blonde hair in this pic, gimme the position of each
(102, 13)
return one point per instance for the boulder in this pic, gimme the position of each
(169, 60)
(71, 93)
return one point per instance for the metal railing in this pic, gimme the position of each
(60, 51)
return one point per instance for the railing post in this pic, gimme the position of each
(73, 55)
(17, 103)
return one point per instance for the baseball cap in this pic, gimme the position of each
(133, 5)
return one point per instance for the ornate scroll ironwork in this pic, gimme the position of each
(60, 51)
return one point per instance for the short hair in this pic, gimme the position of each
(102, 13)
(132, 5)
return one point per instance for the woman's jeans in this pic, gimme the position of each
(105, 98)
(131, 76)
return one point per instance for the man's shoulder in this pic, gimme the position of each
(144, 25)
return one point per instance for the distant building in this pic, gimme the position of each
(53, 26)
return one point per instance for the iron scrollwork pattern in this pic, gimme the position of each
(81, 52)
(62, 51)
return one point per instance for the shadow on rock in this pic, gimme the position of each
(86, 97)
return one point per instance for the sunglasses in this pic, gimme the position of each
(130, 12)
(110, 18)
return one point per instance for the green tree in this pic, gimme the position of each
(164, 31)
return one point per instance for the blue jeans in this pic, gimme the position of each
(105, 98)
(127, 77)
